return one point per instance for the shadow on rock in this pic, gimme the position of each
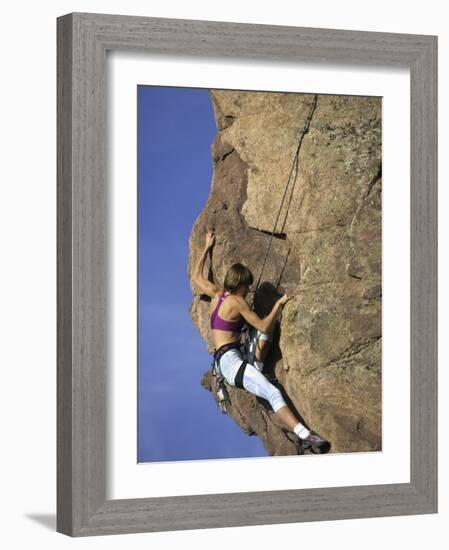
(263, 302)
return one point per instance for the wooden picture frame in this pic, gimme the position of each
(83, 40)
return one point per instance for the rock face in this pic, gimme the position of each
(326, 251)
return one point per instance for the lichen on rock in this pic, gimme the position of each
(326, 251)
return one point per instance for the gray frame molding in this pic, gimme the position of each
(83, 39)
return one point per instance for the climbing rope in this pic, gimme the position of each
(295, 161)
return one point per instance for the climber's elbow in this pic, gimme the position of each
(205, 285)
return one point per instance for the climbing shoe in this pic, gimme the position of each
(316, 444)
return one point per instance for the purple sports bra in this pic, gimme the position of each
(221, 324)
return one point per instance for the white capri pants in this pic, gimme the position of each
(253, 380)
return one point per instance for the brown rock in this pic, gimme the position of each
(326, 251)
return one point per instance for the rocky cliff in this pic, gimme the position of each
(320, 157)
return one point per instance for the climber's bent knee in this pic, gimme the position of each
(256, 383)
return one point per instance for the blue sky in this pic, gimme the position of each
(178, 419)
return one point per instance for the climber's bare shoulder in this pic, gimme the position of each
(240, 300)
(241, 304)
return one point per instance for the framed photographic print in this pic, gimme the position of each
(246, 216)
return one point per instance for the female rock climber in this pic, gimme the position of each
(229, 311)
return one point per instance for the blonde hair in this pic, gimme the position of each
(238, 275)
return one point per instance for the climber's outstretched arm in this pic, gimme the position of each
(208, 287)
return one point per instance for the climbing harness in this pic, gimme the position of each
(220, 388)
(248, 344)
(220, 383)
(238, 380)
(295, 162)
